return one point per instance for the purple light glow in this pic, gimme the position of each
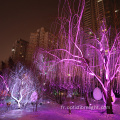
(97, 94)
(75, 50)
(34, 96)
(3, 81)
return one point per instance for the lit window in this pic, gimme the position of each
(106, 51)
(104, 30)
(116, 10)
(99, 0)
(13, 50)
(90, 33)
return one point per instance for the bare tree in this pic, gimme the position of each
(21, 84)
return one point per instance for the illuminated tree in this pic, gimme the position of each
(43, 62)
(4, 89)
(91, 52)
(21, 84)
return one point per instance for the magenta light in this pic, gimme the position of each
(4, 82)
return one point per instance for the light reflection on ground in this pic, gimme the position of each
(53, 111)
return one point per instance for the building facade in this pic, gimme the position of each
(40, 39)
(98, 11)
(19, 50)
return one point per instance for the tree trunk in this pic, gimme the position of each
(86, 99)
(109, 100)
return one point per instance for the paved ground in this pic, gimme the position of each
(54, 111)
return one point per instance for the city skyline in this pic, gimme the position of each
(20, 18)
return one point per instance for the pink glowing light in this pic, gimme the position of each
(34, 96)
(3, 80)
(97, 94)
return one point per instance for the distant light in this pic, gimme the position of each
(116, 10)
(104, 30)
(22, 56)
(90, 33)
(68, 74)
(7, 88)
(99, 0)
(48, 101)
(44, 83)
(13, 50)
(101, 49)
(92, 74)
(106, 51)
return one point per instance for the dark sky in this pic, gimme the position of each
(18, 18)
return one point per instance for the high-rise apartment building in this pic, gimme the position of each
(19, 50)
(33, 44)
(97, 11)
(112, 13)
(93, 15)
(41, 39)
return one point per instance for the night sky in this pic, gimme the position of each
(18, 18)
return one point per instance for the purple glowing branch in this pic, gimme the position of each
(115, 73)
(4, 82)
(116, 70)
(70, 23)
(78, 26)
(100, 82)
(78, 29)
(68, 60)
(115, 42)
(91, 73)
(75, 56)
(78, 49)
(78, 61)
(69, 35)
(116, 64)
(49, 54)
